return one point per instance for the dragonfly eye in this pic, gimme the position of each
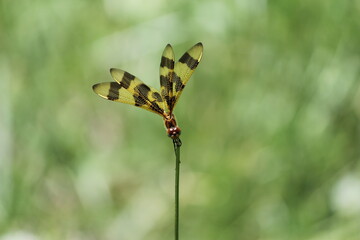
(174, 132)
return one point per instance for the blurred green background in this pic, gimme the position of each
(270, 120)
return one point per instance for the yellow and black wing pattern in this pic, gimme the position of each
(166, 76)
(174, 76)
(130, 90)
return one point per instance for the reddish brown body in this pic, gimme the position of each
(172, 129)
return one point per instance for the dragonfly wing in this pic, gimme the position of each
(130, 90)
(184, 68)
(166, 76)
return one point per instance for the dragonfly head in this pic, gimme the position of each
(172, 129)
(174, 132)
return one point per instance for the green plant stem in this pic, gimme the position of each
(177, 144)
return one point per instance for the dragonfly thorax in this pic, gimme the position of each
(172, 129)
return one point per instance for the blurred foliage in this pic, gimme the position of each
(270, 121)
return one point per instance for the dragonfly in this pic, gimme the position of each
(173, 78)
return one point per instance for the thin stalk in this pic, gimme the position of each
(177, 144)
